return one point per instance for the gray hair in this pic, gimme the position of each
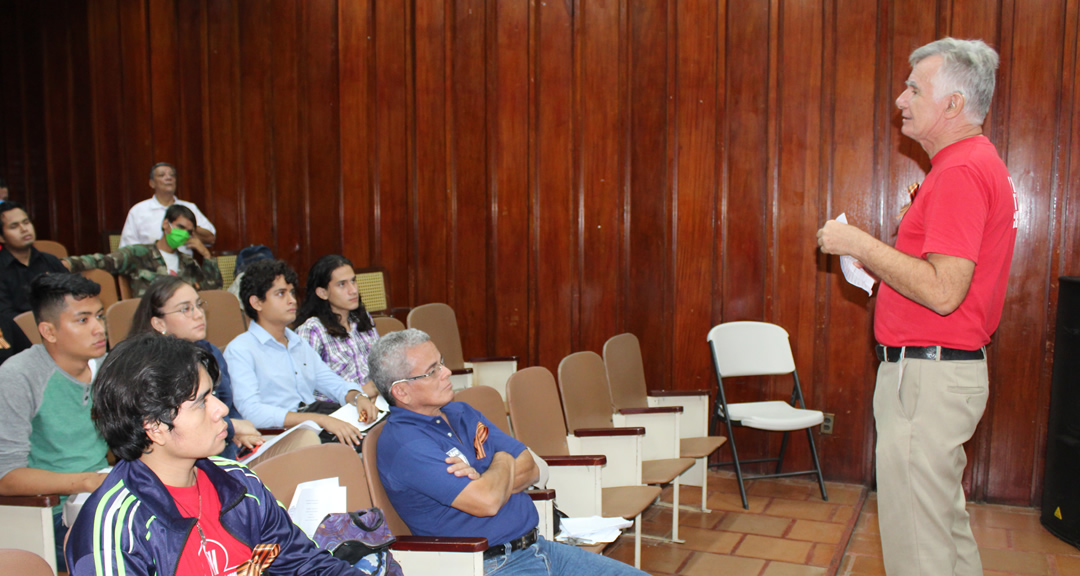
(388, 362)
(969, 68)
(159, 165)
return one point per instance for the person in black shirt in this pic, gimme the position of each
(20, 262)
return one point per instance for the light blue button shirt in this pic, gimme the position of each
(269, 380)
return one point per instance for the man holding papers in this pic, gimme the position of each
(450, 472)
(943, 289)
(168, 507)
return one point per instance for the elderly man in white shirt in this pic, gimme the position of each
(143, 224)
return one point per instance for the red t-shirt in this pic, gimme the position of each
(966, 207)
(223, 552)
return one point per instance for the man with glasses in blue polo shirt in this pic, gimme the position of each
(450, 472)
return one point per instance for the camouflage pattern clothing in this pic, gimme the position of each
(142, 263)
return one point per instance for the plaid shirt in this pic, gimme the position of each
(346, 356)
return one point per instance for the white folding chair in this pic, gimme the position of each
(761, 349)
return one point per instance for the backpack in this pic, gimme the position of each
(360, 538)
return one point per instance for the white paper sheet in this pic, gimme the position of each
(855, 276)
(313, 500)
(349, 413)
(591, 530)
(275, 439)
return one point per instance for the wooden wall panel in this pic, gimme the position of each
(469, 290)
(563, 171)
(554, 233)
(648, 282)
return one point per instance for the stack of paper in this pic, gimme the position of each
(313, 500)
(349, 413)
(591, 530)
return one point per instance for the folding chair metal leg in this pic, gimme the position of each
(783, 449)
(817, 465)
(738, 468)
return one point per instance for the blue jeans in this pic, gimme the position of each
(59, 532)
(548, 558)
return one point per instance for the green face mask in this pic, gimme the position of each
(177, 237)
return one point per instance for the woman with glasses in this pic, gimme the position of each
(334, 321)
(171, 306)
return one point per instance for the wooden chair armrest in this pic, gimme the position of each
(440, 544)
(493, 359)
(39, 501)
(625, 431)
(461, 371)
(679, 393)
(655, 410)
(545, 494)
(271, 431)
(576, 460)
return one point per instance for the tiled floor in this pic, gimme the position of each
(790, 531)
(1011, 542)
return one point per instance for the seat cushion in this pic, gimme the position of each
(628, 501)
(774, 415)
(700, 447)
(665, 470)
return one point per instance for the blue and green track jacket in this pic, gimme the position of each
(130, 525)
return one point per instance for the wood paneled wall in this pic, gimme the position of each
(564, 170)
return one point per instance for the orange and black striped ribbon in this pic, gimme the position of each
(479, 439)
(262, 556)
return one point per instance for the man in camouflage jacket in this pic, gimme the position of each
(142, 263)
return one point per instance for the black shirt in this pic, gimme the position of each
(15, 291)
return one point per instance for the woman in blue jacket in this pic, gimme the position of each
(168, 508)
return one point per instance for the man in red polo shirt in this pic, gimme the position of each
(943, 288)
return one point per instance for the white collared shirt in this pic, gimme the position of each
(143, 224)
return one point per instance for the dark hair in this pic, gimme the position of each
(259, 278)
(153, 300)
(159, 165)
(48, 291)
(251, 254)
(319, 277)
(145, 379)
(6, 205)
(177, 210)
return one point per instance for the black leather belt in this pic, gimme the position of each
(519, 544)
(892, 353)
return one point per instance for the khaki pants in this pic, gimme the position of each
(922, 424)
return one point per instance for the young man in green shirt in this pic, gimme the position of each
(48, 444)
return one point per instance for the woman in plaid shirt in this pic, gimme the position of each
(334, 321)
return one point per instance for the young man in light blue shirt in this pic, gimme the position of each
(275, 372)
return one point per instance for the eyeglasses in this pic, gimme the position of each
(189, 309)
(438, 367)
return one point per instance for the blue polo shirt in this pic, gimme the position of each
(412, 465)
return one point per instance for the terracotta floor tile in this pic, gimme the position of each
(806, 510)
(995, 573)
(708, 540)
(1009, 517)
(654, 558)
(778, 489)
(840, 493)
(754, 524)
(662, 515)
(822, 554)
(658, 529)
(1068, 564)
(1040, 541)
(768, 548)
(732, 502)
(702, 564)
(866, 566)
(865, 544)
(724, 482)
(688, 495)
(988, 537)
(1014, 561)
(868, 524)
(870, 507)
(844, 514)
(817, 531)
(785, 569)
